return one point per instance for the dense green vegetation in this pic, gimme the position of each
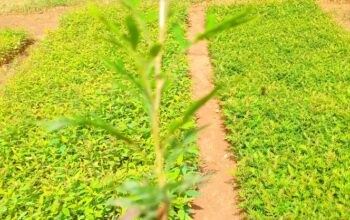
(73, 172)
(11, 43)
(286, 102)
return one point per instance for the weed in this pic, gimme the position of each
(153, 200)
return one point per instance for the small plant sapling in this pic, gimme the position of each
(153, 199)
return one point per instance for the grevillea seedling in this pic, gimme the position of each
(152, 199)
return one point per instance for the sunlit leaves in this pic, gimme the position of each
(223, 26)
(78, 168)
(145, 197)
(192, 109)
(130, 4)
(11, 43)
(180, 36)
(134, 35)
(155, 50)
(119, 68)
(287, 109)
(96, 123)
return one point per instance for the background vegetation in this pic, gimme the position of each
(286, 98)
(75, 171)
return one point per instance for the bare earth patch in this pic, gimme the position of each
(36, 23)
(219, 199)
(341, 12)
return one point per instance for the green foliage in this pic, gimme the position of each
(152, 200)
(212, 30)
(286, 103)
(72, 173)
(11, 43)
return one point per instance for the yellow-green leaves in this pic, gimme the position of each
(191, 110)
(96, 123)
(119, 68)
(11, 43)
(180, 36)
(198, 104)
(285, 95)
(213, 30)
(155, 50)
(133, 35)
(74, 171)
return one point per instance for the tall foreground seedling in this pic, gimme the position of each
(152, 200)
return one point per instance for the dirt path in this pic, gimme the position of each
(36, 23)
(341, 12)
(219, 198)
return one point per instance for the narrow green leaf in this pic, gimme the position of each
(225, 25)
(113, 41)
(97, 123)
(56, 124)
(155, 49)
(192, 193)
(198, 104)
(189, 136)
(118, 67)
(134, 33)
(180, 146)
(180, 36)
(191, 111)
(189, 182)
(130, 4)
(210, 22)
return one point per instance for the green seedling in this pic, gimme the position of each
(152, 200)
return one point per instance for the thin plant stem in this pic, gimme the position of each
(159, 84)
